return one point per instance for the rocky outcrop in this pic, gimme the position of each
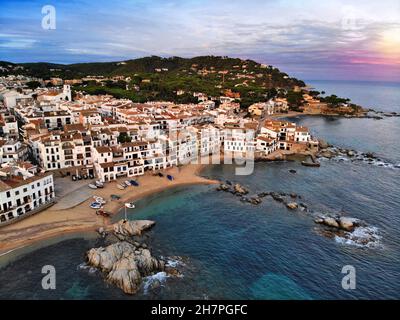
(127, 262)
(124, 264)
(323, 144)
(340, 223)
(132, 228)
(348, 224)
(255, 200)
(236, 189)
(239, 189)
(327, 153)
(223, 187)
(292, 205)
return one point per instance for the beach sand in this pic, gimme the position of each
(72, 213)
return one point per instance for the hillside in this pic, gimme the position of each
(155, 78)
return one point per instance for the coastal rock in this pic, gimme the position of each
(132, 228)
(293, 195)
(342, 223)
(303, 206)
(124, 264)
(331, 222)
(223, 187)
(125, 275)
(351, 153)
(369, 155)
(323, 144)
(238, 189)
(277, 197)
(348, 224)
(102, 232)
(263, 194)
(292, 206)
(255, 200)
(327, 154)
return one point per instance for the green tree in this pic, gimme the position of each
(124, 137)
(33, 84)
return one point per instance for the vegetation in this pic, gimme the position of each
(295, 100)
(124, 137)
(33, 84)
(334, 100)
(156, 78)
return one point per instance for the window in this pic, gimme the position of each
(8, 194)
(17, 193)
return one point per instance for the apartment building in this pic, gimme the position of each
(23, 192)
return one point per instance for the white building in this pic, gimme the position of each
(23, 192)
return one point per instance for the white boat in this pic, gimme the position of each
(92, 186)
(121, 187)
(99, 200)
(127, 183)
(130, 205)
(95, 205)
(99, 184)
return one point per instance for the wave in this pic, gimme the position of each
(85, 266)
(153, 281)
(173, 263)
(360, 157)
(367, 237)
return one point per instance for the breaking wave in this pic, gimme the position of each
(154, 280)
(367, 237)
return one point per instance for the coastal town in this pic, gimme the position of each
(49, 133)
(196, 158)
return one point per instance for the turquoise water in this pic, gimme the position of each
(239, 251)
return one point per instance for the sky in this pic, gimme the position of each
(309, 39)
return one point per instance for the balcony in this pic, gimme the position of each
(25, 213)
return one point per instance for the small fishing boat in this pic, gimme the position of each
(115, 197)
(121, 186)
(130, 205)
(170, 178)
(99, 184)
(99, 200)
(127, 183)
(103, 213)
(95, 205)
(134, 183)
(92, 186)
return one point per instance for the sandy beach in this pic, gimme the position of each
(72, 214)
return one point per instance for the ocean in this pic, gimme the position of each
(240, 251)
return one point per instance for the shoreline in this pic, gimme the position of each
(80, 218)
(292, 114)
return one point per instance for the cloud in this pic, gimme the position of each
(295, 35)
